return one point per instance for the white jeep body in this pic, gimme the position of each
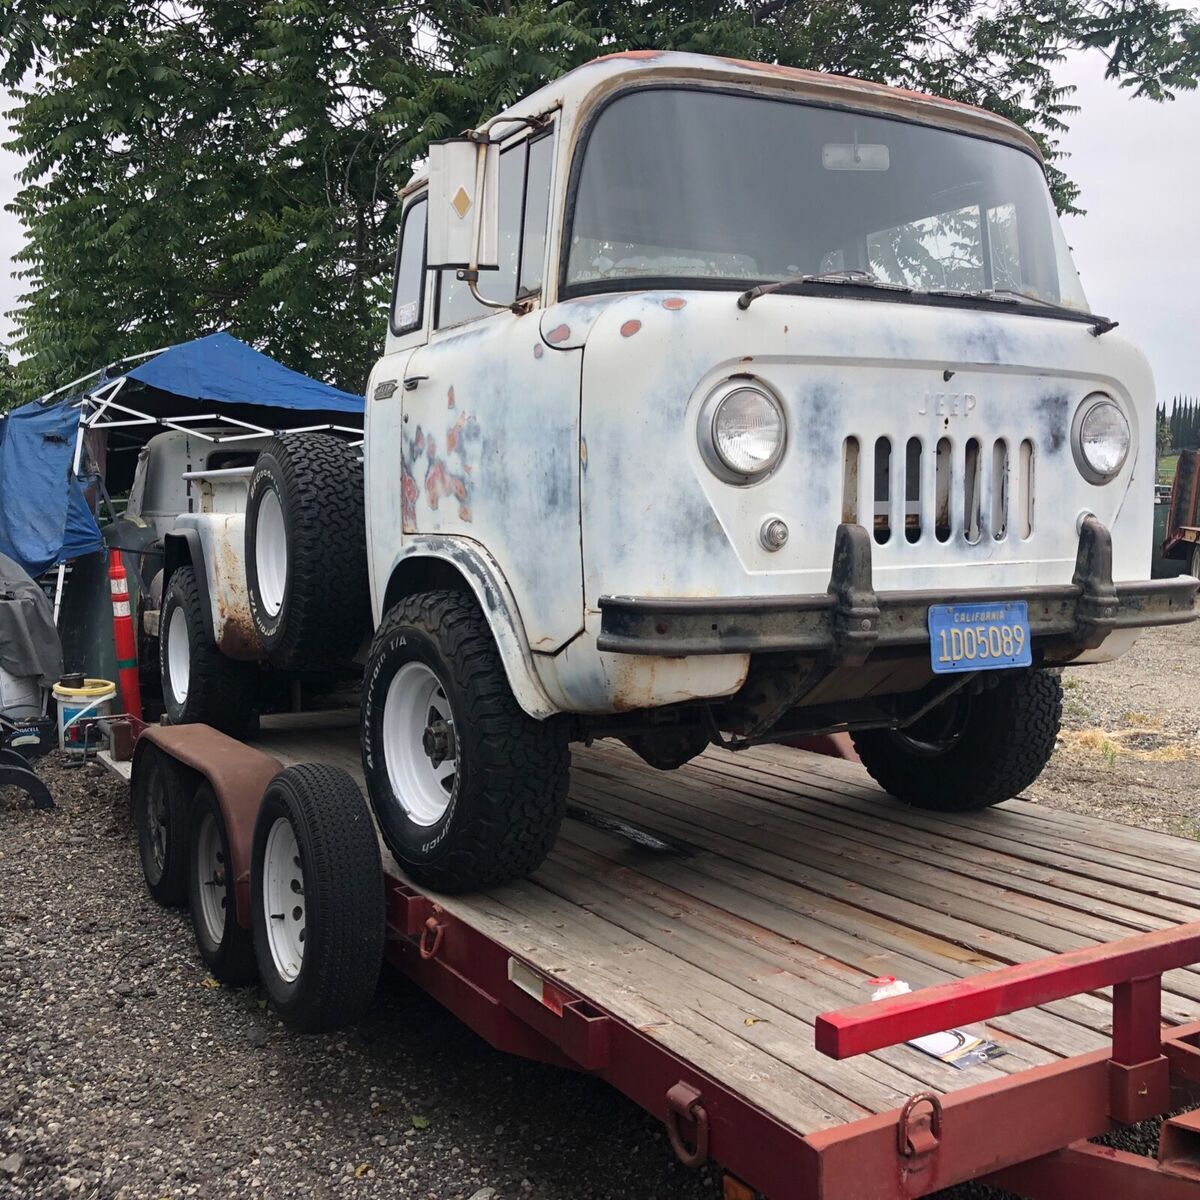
(550, 457)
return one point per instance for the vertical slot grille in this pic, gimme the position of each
(883, 490)
(978, 491)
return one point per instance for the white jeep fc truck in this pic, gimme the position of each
(723, 402)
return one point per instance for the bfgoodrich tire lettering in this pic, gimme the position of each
(993, 750)
(503, 812)
(339, 895)
(318, 615)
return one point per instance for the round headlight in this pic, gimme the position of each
(1101, 439)
(742, 433)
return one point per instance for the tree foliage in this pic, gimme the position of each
(215, 165)
(10, 392)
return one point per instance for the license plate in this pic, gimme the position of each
(979, 637)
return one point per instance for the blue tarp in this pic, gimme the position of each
(44, 516)
(222, 369)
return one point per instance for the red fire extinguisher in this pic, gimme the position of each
(127, 667)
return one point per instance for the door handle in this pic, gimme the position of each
(411, 381)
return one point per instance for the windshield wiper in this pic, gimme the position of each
(851, 276)
(1099, 325)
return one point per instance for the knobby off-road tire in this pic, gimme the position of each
(199, 684)
(306, 551)
(991, 751)
(317, 898)
(504, 800)
(159, 798)
(225, 946)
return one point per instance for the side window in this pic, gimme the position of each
(408, 297)
(537, 212)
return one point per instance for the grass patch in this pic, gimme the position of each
(1166, 468)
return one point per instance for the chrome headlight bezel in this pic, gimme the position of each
(1087, 409)
(707, 434)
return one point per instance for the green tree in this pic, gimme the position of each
(10, 391)
(235, 166)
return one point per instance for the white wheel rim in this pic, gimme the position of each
(179, 656)
(283, 899)
(419, 746)
(211, 872)
(270, 552)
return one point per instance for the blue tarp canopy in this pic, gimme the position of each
(220, 368)
(44, 515)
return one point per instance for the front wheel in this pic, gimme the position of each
(469, 790)
(971, 751)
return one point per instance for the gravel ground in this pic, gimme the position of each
(126, 1072)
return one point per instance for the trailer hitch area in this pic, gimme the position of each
(918, 1135)
(684, 1108)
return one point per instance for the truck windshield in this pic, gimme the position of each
(686, 185)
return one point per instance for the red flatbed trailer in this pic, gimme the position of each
(702, 940)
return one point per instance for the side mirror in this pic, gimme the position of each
(464, 205)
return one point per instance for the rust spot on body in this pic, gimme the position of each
(630, 328)
(558, 334)
(450, 398)
(538, 351)
(674, 303)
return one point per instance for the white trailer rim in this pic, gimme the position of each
(211, 870)
(416, 715)
(179, 655)
(283, 899)
(270, 552)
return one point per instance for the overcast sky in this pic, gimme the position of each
(1137, 249)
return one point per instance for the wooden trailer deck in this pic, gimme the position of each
(775, 883)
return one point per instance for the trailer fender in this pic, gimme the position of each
(238, 776)
(426, 564)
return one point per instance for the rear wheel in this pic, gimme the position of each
(199, 684)
(306, 555)
(317, 898)
(225, 946)
(469, 790)
(159, 799)
(972, 751)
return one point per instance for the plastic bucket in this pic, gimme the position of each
(93, 698)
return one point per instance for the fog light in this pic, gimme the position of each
(773, 534)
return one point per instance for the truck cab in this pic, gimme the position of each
(725, 402)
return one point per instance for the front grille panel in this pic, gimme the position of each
(970, 490)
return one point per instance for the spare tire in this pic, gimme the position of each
(306, 551)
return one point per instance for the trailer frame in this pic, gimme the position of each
(1026, 1132)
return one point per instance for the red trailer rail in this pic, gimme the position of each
(696, 976)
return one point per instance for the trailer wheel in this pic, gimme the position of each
(973, 751)
(160, 818)
(225, 946)
(317, 898)
(199, 684)
(306, 551)
(1195, 563)
(468, 789)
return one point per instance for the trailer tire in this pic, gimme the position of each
(306, 551)
(988, 748)
(200, 685)
(225, 946)
(317, 898)
(494, 814)
(157, 796)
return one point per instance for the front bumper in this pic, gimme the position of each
(851, 619)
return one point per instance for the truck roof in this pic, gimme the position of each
(578, 91)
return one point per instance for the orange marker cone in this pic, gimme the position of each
(123, 638)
